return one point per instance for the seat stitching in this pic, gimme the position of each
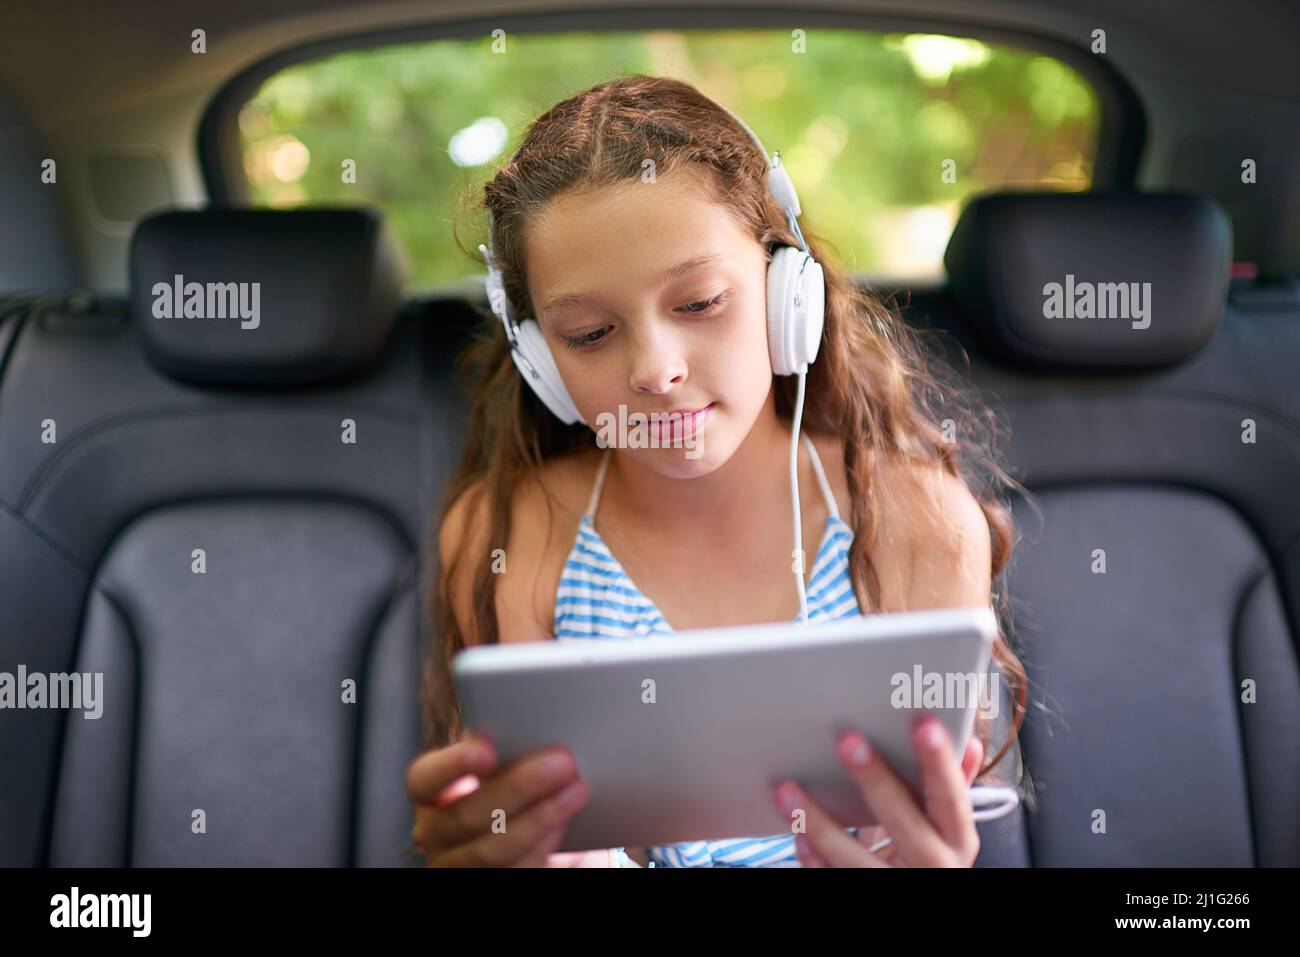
(77, 441)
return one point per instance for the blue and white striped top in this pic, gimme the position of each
(597, 599)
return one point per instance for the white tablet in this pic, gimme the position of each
(683, 737)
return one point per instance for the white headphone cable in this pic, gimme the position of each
(988, 803)
(794, 492)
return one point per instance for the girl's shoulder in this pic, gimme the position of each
(941, 528)
(564, 481)
(544, 508)
(914, 498)
(929, 526)
(901, 489)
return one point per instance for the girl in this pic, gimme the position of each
(650, 292)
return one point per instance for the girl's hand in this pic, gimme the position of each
(940, 834)
(604, 857)
(459, 793)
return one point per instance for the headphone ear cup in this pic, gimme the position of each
(547, 383)
(812, 307)
(796, 309)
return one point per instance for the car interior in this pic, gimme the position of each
(300, 469)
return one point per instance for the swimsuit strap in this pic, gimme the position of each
(596, 486)
(821, 477)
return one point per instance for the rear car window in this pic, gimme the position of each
(885, 134)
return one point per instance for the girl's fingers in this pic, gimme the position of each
(599, 857)
(807, 856)
(825, 838)
(947, 800)
(565, 859)
(456, 790)
(544, 854)
(504, 797)
(971, 760)
(435, 769)
(530, 836)
(893, 805)
(871, 836)
(868, 837)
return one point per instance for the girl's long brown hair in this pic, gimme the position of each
(872, 383)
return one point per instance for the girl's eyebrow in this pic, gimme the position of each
(566, 299)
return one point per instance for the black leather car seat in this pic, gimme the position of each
(227, 526)
(1155, 601)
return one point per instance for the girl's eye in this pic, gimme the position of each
(581, 342)
(707, 305)
(703, 307)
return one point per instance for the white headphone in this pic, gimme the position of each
(796, 313)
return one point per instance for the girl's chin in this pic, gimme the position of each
(687, 460)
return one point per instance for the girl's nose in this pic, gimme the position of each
(655, 379)
(657, 362)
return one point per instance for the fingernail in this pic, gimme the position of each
(787, 795)
(855, 750)
(574, 795)
(934, 736)
(557, 766)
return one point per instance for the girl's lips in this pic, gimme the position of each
(673, 426)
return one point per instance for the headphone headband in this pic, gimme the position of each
(779, 183)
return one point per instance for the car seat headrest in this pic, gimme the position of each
(265, 297)
(1091, 280)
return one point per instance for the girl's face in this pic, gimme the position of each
(651, 297)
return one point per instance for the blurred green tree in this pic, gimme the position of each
(868, 123)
